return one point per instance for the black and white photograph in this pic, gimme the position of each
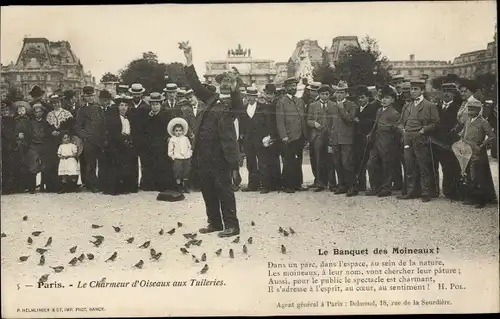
(249, 159)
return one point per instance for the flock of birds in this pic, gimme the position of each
(154, 255)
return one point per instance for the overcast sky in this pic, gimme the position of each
(106, 38)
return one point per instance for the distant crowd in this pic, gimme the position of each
(393, 132)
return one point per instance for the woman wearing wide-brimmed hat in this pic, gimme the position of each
(156, 167)
(121, 157)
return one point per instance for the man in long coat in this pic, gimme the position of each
(215, 149)
(418, 121)
(292, 127)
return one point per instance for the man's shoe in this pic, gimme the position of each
(384, 193)
(319, 189)
(480, 205)
(264, 191)
(249, 189)
(351, 193)
(468, 203)
(209, 229)
(340, 191)
(371, 192)
(228, 232)
(426, 199)
(289, 190)
(333, 189)
(300, 189)
(407, 196)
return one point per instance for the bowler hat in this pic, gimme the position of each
(181, 93)
(104, 94)
(388, 91)
(324, 88)
(69, 94)
(405, 86)
(211, 88)
(88, 90)
(314, 86)
(189, 92)
(291, 80)
(252, 91)
(174, 122)
(36, 91)
(449, 87)
(55, 96)
(170, 87)
(471, 85)
(219, 77)
(270, 88)
(136, 88)
(122, 88)
(342, 86)
(362, 90)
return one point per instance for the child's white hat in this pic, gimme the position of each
(174, 122)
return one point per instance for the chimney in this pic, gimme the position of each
(412, 57)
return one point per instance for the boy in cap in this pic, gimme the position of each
(292, 127)
(341, 140)
(418, 121)
(215, 148)
(478, 134)
(383, 154)
(319, 119)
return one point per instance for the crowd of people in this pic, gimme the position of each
(395, 134)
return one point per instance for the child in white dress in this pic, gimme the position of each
(69, 168)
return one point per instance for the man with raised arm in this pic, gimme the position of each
(215, 148)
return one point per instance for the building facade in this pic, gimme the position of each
(253, 72)
(50, 65)
(304, 48)
(339, 45)
(413, 69)
(472, 64)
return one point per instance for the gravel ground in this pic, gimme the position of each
(319, 219)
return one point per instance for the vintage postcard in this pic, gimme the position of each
(249, 159)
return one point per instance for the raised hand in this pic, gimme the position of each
(188, 52)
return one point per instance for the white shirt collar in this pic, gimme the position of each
(251, 109)
(290, 96)
(224, 96)
(419, 99)
(361, 108)
(343, 101)
(475, 118)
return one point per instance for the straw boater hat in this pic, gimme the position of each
(181, 93)
(252, 91)
(170, 88)
(342, 86)
(291, 80)
(418, 83)
(156, 97)
(123, 98)
(24, 104)
(56, 96)
(474, 104)
(174, 122)
(314, 86)
(136, 88)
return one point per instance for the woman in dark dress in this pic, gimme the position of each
(8, 145)
(121, 156)
(157, 166)
(61, 121)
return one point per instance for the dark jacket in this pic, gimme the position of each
(447, 121)
(385, 134)
(256, 128)
(426, 113)
(366, 118)
(215, 146)
(90, 124)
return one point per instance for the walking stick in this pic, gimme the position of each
(358, 175)
(436, 181)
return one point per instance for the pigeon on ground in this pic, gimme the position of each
(245, 249)
(96, 226)
(23, 258)
(72, 249)
(58, 268)
(3, 235)
(41, 251)
(161, 231)
(90, 256)
(30, 241)
(152, 252)
(139, 264)
(291, 231)
(42, 261)
(25, 218)
(130, 240)
(98, 237)
(184, 250)
(73, 261)
(145, 245)
(157, 256)
(253, 223)
(204, 269)
(250, 240)
(117, 229)
(49, 241)
(171, 232)
(204, 257)
(236, 240)
(218, 251)
(113, 257)
(280, 229)
(96, 243)
(179, 224)
(285, 233)
(283, 249)
(36, 233)
(231, 253)
(81, 257)
(43, 279)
